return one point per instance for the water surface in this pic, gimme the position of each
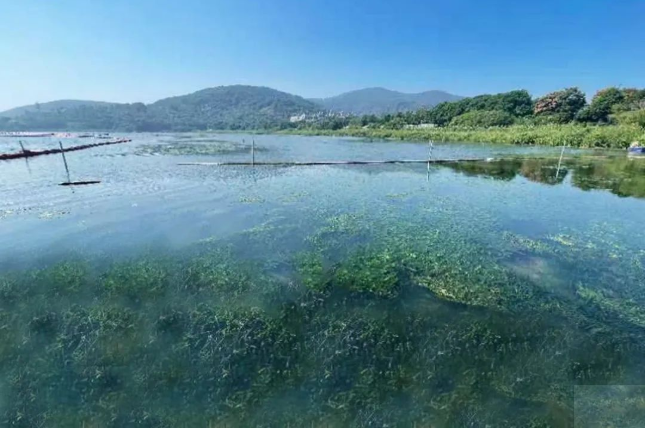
(470, 294)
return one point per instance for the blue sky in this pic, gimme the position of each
(143, 50)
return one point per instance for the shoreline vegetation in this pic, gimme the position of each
(614, 118)
(573, 135)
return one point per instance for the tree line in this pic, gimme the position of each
(608, 106)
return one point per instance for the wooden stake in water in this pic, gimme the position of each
(557, 172)
(430, 148)
(62, 152)
(253, 152)
(24, 152)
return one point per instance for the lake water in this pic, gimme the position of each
(492, 293)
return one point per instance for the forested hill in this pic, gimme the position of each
(51, 106)
(224, 107)
(231, 107)
(380, 101)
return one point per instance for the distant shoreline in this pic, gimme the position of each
(573, 135)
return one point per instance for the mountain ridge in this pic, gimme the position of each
(221, 107)
(379, 100)
(71, 103)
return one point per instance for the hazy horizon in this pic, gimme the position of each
(122, 52)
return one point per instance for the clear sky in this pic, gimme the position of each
(143, 50)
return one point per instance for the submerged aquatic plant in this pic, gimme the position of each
(409, 326)
(196, 147)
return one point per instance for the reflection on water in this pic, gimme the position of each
(621, 176)
(320, 296)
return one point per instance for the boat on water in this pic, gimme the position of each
(635, 149)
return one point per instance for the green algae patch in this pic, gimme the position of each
(523, 243)
(625, 308)
(197, 147)
(369, 273)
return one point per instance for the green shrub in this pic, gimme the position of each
(631, 118)
(483, 119)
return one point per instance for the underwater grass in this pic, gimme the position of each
(406, 326)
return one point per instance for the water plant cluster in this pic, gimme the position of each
(367, 322)
(196, 147)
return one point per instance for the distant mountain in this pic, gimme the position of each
(231, 107)
(381, 101)
(51, 106)
(224, 107)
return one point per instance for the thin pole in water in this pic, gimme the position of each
(430, 150)
(24, 152)
(557, 173)
(62, 152)
(253, 152)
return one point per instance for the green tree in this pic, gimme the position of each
(562, 106)
(515, 103)
(633, 99)
(443, 113)
(602, 105)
